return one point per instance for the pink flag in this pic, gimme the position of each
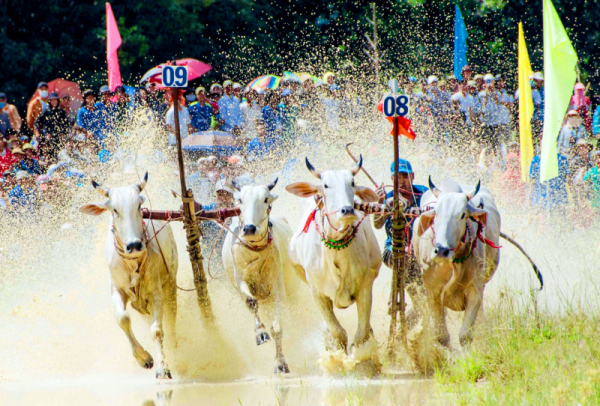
(113, 42)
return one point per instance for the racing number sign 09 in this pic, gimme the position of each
(396, 105)
(174, 76)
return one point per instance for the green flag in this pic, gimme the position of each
(559, 76)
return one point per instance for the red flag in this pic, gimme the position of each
(404, 124)
(113, 42)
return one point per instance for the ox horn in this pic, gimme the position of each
(358, 166)
(472, 195)
(142, 184)
(315, 172)
(272, 184)
(102, 190)
(235, 185)
(436, 192)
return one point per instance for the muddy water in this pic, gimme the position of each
(61, 344)
(310, 390)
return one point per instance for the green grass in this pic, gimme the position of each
(519, 358)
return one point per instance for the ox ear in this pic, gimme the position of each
(272, 198)
(366, 194)
(425, 221)
(302, 189)
(478, 214)
(93, 209)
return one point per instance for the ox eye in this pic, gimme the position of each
(326, 187)
(352, 183)
(267, 200)
(116, 212)
(463, 216)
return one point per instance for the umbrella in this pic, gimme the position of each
(64, 88)
(194, 66)
(303, 76)
(265, 82)
(292, 77)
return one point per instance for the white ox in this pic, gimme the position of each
(256, 260)
(456, 265)
(335, 251)
(138, 272)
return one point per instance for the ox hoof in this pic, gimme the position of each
(163, 373)
(262, 337)
(282, 368)
(145, 360)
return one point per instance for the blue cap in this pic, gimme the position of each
(286, 92)
(412, 79)
(334, 87)
(403, 167)
(42, 84)
(104, 89)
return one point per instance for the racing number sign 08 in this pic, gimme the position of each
(396, 105)
(174, 76)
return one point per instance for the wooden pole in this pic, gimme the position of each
(191, 224)
(398, 256)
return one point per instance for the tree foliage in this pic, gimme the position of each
(241, 39)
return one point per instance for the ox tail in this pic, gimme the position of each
(535, 267)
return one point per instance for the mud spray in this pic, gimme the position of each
(61, 344)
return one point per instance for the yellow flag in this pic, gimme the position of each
(525, 107)
(560, 60)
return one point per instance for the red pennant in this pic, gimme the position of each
(404, 124)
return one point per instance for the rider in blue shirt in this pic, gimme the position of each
(410, 192)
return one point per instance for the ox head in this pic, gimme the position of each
(125, 206)
(450, 214)
(255, 205)
(338, 189)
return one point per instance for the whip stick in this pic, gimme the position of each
(191, 224)
(362, 167)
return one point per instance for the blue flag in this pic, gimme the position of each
(460, 44)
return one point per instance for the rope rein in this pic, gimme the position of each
(468, 232)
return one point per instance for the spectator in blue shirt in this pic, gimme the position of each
(229, 108)
(553, 193)
(106, 110)
(596, 122)
(272, 114)
(262, 144)
(289, 115)
(89, 119)
(29, 162)
(201, 112)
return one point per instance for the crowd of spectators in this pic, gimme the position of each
(477, 112)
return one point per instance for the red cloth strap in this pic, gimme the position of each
(310, 219)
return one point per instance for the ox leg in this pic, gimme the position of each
(170, 307)
(474, 297)
(261, 332)
(439, 319)
(120, 303)
(364, 302)
(336, 330)
(156, 329)
(277, 332)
